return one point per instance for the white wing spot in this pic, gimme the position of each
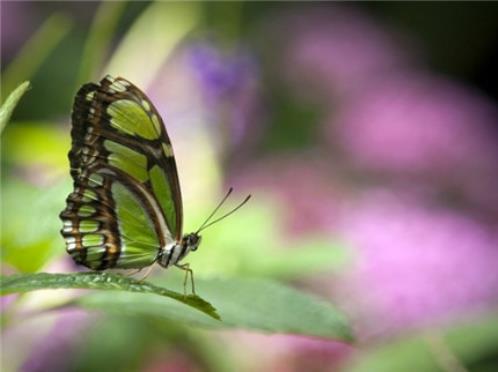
(119, 86)
(71, 240)
(168, 150)
(89, 96)
(146, 105)
(156, 123)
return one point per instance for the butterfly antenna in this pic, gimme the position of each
(216, 209)
(226, 215)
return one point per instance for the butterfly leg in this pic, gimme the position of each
(147, 273)
(188, 271)
(133, 272)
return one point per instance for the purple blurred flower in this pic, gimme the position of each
(229, 84)
(220, 75)
(200, 85)
(53, 351)
(6, 302)
(416, 265)
(17, 24)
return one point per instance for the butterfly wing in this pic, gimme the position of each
(126, 202)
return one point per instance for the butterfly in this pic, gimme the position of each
(126, 207)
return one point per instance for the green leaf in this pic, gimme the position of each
(92, 280)
(10, 104)
(256, 304)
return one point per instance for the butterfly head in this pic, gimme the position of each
(192, 241)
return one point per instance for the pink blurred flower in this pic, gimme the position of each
(385, 114)
(309, 354)
(308, 197)
(416, 265)
(173, 361)
(418, 123)
(286, 353)
(339, 49)
(423, 129)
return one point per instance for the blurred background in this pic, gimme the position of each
(366, 132)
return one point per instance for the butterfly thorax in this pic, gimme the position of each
(174, 252)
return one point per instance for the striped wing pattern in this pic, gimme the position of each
(126, 203)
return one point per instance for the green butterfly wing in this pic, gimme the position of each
(126, 202)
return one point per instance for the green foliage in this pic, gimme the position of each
(147, 337)
(91, 280)
(99, 38)
(257, 304)
(290, 114)
(10, 104)
(110, 336)
(30, 224)
(433, 350)
(154, 34)
(230, 249)
(36, 143)
(243, 303)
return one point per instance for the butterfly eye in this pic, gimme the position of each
(194, 241)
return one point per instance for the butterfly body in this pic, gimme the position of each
(175, 252)
(125, 210)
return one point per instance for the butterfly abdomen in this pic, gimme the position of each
(171, 254)
(175, 252)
